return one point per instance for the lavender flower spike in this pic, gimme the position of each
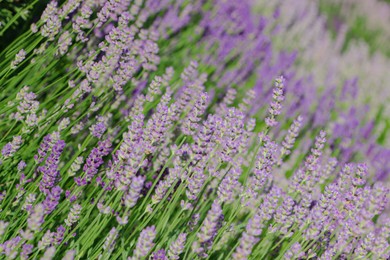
(35, 220)
(144, 243)
(177, 247)
(109, 244)
(73, 215)
(10, 148)
(20, 56)
(133, 194)
(275, 106)
(289, 140)
(49, 253)
(209, 229)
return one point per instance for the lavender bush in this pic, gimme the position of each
(158, 129)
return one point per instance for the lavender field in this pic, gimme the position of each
(194, 129)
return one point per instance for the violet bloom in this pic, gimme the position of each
(98, 129)
(209, 225)
(177, 246)
(232, 134)
(203, 144)
(190, 124)
(10, 247)
(154, 89)
(294, 252)
(49, 170)
(73, 215)
(64, 42)
(49, 253)
(159, 255)
(227, 101)
(95, 159)
(256, 224)
(69, 255)
(52, 23)
(229, 185)
(156, 127)
(275, 106)
(21, 165)
(26, 251)
(52, 199)
(289, 140)
(59, 235)
(109, 244)
(144, 243)
(10, 148)
(284, 217)
(133, 194)
(195, 183)
(36, 218)
(19, 57)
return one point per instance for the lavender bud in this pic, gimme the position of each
(109, 244)
(209, 226)
(36, 218)
(76, 165)
(26, 251)
(190, 124)
(69, 255)
(3, 227)
(49, 253)
(275, 106)
(289, 140)
(133, 194)
(73, 215)
(144, 243)
(177, 246)
(30, 199)
(19, 57)
(10, 148)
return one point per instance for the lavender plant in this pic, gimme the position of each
(167, 130)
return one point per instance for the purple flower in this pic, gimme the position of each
(209, 225)
(36, 218)
(156, 127)
(21, 165)
(69, 255)
(109, 244)
(289, 140)
(64, 42)
(159, 255)
(275, 106)
(95, 159)
(10, 148)
(226, 102)
(133, 194)
(195, 183)
(52, 199)
(177, 246)
(52, 23)
(144, 243)
(26, 251)
(294, 252)
(50, 172)
(19, 57)
(10, 247)
(256, 224)
(190, 124)
(59, 235)
(49, 253)
(229, 185)
(74, 215)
